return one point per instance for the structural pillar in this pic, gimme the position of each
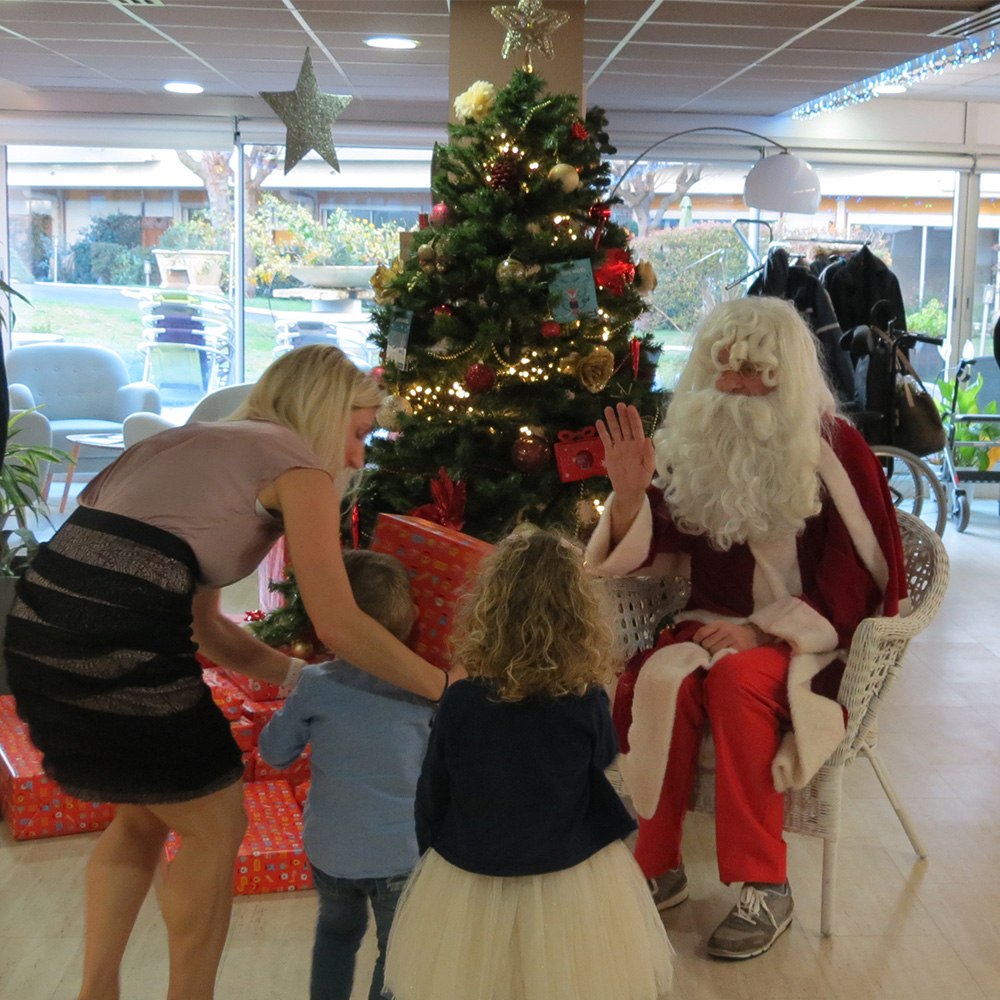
(477, 38)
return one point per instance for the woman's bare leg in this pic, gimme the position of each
(117, 880)
(196, 895)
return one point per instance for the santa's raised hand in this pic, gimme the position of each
(630, 461)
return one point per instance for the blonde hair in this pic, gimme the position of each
(312, 391)
(536, 623)
(381, 588)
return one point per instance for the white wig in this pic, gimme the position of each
(738, 467)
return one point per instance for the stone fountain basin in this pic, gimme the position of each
(334, 275)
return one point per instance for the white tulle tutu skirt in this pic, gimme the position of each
(590, 932)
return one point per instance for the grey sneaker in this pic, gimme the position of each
(754, 923)
(670, 889)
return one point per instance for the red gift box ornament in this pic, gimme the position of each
(579, 455)
(616, 271)
(448, 506)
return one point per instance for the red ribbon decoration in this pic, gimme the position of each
(599, 214)
(587, 432)
(448, 507)
(355, 527)
(616, 271)
(636, 347)
(254, 616)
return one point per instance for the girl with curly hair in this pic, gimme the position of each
(525, 889)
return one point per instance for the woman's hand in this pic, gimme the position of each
(630, 461)
(716, 636)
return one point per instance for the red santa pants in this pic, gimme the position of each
(744, 696)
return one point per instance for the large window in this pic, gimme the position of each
(102, 240)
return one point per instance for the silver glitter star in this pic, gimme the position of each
(308, 115)
(529, 26)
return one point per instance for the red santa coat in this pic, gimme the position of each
(812, 591)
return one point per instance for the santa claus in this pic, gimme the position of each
(777, 512)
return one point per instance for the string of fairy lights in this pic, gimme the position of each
(975, 49)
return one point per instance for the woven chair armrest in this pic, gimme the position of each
(876, 656)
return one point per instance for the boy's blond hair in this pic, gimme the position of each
(536, 622)
(381, 587)
(312, 391)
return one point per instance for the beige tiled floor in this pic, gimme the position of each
(919, 930)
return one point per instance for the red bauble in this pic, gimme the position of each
(579, 131)
(550, 329)
(479, 377)
(531, 454)
(440, 215)
(600, 212)
(378, 373)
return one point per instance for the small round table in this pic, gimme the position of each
(116, 442)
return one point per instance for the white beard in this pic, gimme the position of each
(738, 468)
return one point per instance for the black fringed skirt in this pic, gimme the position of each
(102, 665)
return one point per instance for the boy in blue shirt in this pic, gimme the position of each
(368, 741)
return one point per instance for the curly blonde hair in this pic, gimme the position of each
(536, 622)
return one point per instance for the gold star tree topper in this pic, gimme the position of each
(308, 115)
(529, 26)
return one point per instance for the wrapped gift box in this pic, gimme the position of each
(259, 713)
(294, 774)
(243, 732)
(253, 689)
(271, 857)
(442, 564)
(301, 792)
(225, 693)
(32, 803)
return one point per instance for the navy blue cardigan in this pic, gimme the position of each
(518, 788)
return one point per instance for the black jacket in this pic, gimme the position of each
(781, 280)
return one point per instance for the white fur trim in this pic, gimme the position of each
(845, 499)
(802, 627)
(631, 552)
(654, 705)
(817, 726)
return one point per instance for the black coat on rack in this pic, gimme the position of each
(780, 279)
(855, 285)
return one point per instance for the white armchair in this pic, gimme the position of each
(81, 389)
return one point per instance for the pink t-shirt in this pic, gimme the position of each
(201, 482)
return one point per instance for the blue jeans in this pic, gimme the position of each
(340, 926)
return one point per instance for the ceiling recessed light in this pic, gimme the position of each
(391, 42)
(180, 87)
(889, 88)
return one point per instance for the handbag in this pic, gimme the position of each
(919, 428)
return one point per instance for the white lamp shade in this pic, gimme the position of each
(782, 183)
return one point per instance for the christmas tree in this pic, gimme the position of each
(508, 326)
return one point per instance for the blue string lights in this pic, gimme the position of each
(974, 49)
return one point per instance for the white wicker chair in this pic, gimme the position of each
(875, 659)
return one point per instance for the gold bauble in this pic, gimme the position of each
(566, 174)
(302, 649)
(509, 269)
(392, 408)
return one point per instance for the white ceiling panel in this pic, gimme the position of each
(740, 57)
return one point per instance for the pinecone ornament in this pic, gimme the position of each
(504, 174)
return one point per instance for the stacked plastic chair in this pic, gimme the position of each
(187, 339)
(352, 340)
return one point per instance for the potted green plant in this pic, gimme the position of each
(193, 255)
